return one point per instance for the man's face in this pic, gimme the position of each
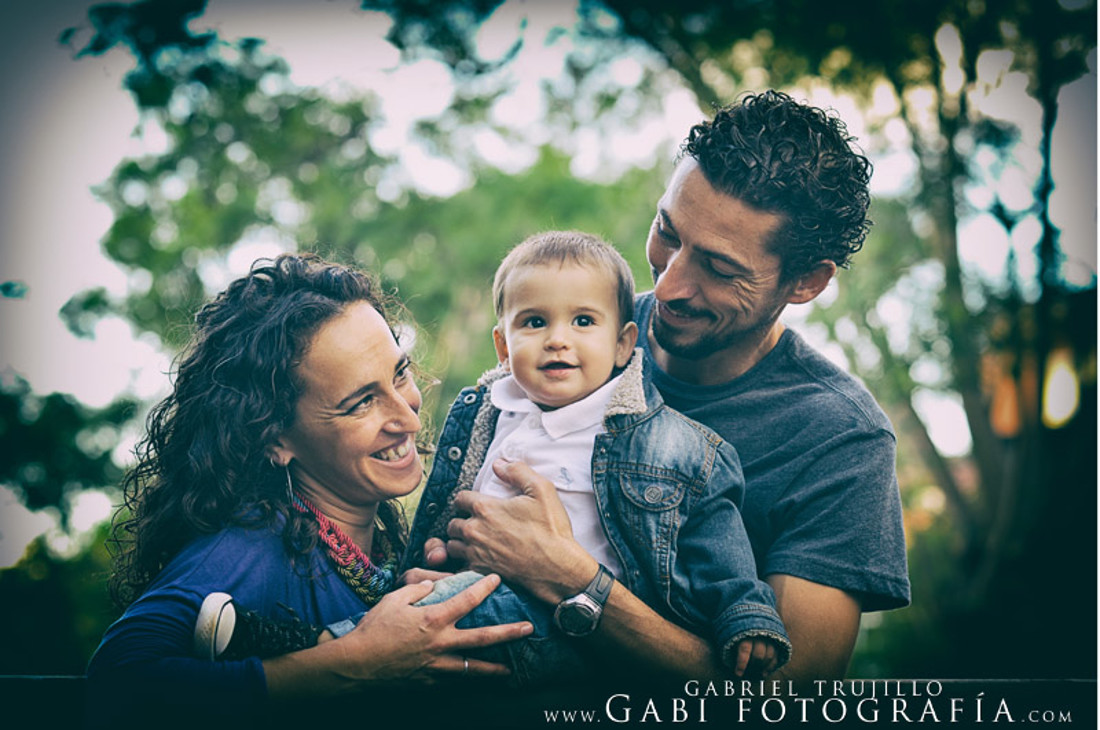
(716, 281)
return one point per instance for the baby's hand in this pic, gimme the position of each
(757, 656)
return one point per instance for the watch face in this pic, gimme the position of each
(576, 619)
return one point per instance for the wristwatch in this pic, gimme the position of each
(579, 615)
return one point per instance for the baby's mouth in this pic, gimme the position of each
(557, 366)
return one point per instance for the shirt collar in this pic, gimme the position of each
(585, 413)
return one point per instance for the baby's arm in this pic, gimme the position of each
(726, 592)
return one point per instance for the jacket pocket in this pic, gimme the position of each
(651, 492)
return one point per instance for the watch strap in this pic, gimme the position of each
(599, 590)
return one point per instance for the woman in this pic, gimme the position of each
(269, 473)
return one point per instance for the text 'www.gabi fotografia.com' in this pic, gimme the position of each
(843, 703)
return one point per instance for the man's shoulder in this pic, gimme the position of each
(805, 376)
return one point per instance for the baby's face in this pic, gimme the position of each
(559, 332)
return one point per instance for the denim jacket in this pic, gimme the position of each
(668, 490)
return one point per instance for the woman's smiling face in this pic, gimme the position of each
(352, 443)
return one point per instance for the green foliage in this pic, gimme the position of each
(54, 446)
(13, 289)
(153, 30)
(252, 157)
(444, 30)
(243, 147)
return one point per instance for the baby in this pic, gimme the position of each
(643, 485)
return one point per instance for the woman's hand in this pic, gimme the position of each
(397, 641)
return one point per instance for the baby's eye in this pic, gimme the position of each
(583, 320)
(534, 322)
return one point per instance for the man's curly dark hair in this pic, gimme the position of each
(796, 160)
(203, 463)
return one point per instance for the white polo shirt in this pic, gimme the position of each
(558, 445)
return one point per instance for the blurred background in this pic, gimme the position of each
(152, 150)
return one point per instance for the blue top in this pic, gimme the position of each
(817, 452)
(151, 644)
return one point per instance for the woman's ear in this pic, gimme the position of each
(279, 454)
(624, 348)
(501, 346)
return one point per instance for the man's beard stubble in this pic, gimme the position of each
(705, 345)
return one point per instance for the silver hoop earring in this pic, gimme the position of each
(289, 485)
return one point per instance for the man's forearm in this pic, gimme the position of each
(629, 627)
(641, 634)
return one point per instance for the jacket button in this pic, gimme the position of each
(431, 508)
(454, 453)
(653, 494)
(469, 398)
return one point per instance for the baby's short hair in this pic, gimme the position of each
(559, 247)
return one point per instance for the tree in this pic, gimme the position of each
(253, 158)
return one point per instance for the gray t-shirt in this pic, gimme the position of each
(821, 497)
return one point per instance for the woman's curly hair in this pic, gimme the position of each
(203, 464)
(789, 158)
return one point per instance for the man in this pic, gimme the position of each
(767, 202)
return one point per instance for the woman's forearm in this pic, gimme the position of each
(315, 672)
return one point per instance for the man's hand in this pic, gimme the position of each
(526, 539)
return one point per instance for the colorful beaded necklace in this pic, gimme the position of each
(364, 576)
